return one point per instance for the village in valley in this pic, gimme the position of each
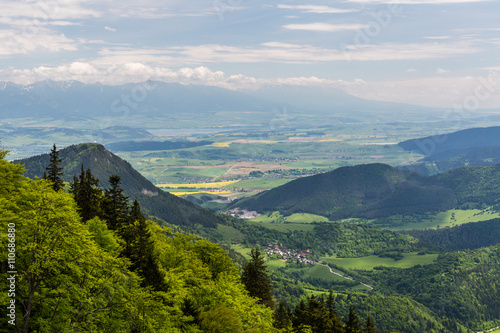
(282, 252)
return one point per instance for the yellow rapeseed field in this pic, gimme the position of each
(199, 185)
(187, 193)
(220, 144)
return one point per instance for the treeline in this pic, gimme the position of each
(319, 315)
(463, 237)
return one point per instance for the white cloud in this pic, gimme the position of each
(414, 2)
(47, 10)
(438, 37)
(110, 29)
(441, 71)
(41, 39)
(411, 70)
(324, 27)
(317, 9)
(446, 92)
(278, 52)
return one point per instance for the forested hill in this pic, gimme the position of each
(103, 163)
(379, 190)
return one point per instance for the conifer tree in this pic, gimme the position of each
(300, 315)
(115, 206)
(256, 279)
(139, 248)
(352, 325)
(87, 195)
(334, 323)
(370, 325)
(54, 172)
(282, 317)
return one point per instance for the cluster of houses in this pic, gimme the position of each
(286, 253)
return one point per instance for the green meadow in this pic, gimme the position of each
(369, 262)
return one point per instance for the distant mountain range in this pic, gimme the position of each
(73, 100)
(379, 190)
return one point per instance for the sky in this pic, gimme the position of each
(437, 53)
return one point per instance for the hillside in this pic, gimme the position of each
(103, 163)
(378, 190)
(460, 285)
(371, 190)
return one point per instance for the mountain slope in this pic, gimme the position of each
(379, 190)
(370, 190)
(103, 163)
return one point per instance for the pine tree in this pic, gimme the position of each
(115, 206)
(87, 195)
(352, 325)
(256, 279)
(282, 317)
(300, 315)
(334, 322)
(54, 172)
(370, 325)
(141, 252)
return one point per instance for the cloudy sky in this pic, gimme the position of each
(426, 52)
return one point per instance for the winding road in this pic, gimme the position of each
(345, 277)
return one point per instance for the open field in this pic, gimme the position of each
(294, 218)
(369, 262)
(198, 185)
(263, 183)
(450, 218)
(284, 227)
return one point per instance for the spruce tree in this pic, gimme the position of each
(256, 279)
(352, 324)
(115, 205)
(370, 325)
(282, 317)
(54, 172)
(87, 195)
(334, 322)
(139, 248)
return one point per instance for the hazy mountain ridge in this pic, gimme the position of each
(74, 100)
(470, 147)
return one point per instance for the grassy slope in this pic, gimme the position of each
(369, 262)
